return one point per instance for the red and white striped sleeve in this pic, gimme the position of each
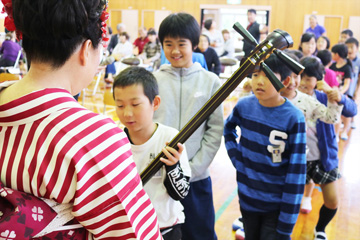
(69, 154)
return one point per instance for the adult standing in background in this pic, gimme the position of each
(254, 29)
(315, 28)
(115, 38)
(215, 36)
(140, 42)
(9, 50)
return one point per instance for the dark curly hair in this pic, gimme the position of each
(52, 30)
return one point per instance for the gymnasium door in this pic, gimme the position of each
(127, 16)
(333, 26)
(153, 18)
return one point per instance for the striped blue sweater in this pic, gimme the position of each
(265, 185)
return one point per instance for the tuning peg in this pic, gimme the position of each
(296, 67)
(271, 76)
(245, 34)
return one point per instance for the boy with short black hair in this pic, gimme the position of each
(269, 157)
(354, 56)
(345, 34)
(136, 97)
(185, 87)
(343, 68)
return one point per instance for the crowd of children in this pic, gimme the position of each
(326, 100)
(268, 155)
(273, 160)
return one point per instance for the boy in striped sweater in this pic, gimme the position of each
(269, 158)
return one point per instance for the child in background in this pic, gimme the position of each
(312, 109)
(136, 97)
(330, 75)
(343, 68)
(322, 43)
(308, 44)
(345, 34)
(354, 92)
(322, 166)
(152, 49)
(269, 158)
(229, 48)
(212, 59)
(354, 56)
(185, 87)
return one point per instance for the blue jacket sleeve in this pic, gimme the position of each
(350, 107)
(199, 57)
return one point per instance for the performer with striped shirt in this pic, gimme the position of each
(54, 151)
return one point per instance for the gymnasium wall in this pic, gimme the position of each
(285, 14)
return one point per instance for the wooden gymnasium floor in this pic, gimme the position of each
(344, 226)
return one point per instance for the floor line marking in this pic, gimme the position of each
(225, 205)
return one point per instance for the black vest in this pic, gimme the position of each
(255, 32)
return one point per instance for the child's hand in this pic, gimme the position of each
(147, 61)
(334, 95)
(172, 154)
(323, 86)
(247, 85)
(117, 56)
(213, 44)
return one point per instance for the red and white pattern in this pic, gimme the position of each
(53, 148)
(7, 235)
